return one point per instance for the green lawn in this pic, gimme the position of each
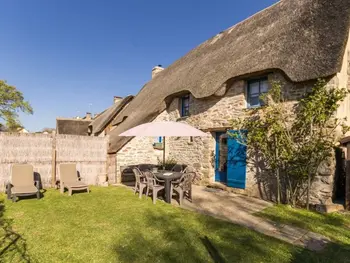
(113, 225)
(336, 226)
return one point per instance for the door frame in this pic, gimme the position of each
(219, 176)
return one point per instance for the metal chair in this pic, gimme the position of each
(140, 184)
(154, 184)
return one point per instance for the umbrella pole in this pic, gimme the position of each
(163, 152)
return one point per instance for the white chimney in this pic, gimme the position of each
(156, 70)
(116, 99)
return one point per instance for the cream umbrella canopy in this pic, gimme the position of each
(164, 129)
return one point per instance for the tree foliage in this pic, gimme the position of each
(292, 139)
(11, 102)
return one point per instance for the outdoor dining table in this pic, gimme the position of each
(168, 177)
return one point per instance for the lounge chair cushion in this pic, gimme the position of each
(76, 184)
(24, 189)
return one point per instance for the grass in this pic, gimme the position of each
(113, 225)
(336, 226)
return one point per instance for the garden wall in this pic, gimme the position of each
(89, 153)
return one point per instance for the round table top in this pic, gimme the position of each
(161, 174)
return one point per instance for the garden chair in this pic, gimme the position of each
(22, 182)
(183, 186)
(177, 168)
(144, 167)
(69, 179)
(154, 184)
(190, 170)
(140, 184)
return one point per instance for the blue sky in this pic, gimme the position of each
(65, 54)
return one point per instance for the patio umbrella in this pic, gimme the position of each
(164, 129)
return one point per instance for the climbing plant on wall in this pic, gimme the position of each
(288, 141)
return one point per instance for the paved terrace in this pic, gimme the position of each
(240, 210)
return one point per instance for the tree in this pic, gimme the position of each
(315, 130)
(293, 139)
(11, 102)
(268, 135)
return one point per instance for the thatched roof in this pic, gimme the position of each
(304, 38)
(72, 126)
(102, 120)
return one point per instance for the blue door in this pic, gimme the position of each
(220, 170)
(236, 162)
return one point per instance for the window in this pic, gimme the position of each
(158, 143)
(158, 139)
(185, 105)
(256, 88)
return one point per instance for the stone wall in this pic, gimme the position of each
(323, 185)
(214, 114)
(139, 150)
(89, 153)
(342, 80)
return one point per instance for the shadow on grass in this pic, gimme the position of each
(334, 252)
(169, 236)
(334, 226)
(13, 247)
(212, 250)
(189, 237)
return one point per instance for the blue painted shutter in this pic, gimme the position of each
(236, 163)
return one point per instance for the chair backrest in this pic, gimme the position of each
(22, 175)
(189, 169)
(144, 167)
(150, 178)
(186, 181)
(138, 174)
(68, 172)
(177, 168)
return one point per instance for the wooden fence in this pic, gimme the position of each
(46, 152)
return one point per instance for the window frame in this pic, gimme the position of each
(182, 105)
(249, 82)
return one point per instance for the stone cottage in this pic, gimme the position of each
(294, 41)
(101, 125)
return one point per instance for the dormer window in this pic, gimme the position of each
(255, 89)
(185, 105)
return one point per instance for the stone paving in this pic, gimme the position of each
(239, 209)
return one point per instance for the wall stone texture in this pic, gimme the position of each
(213, 114)
(138, 151)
